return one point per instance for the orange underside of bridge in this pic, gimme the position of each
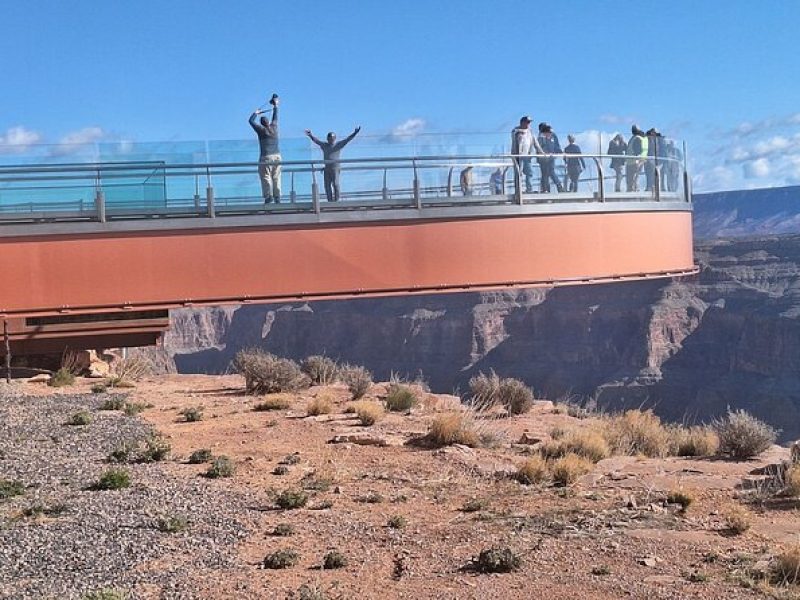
(48, 275)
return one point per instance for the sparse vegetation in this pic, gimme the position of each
(273, 402)
(682, 498)
(475, 505)
(308, 591)
(9, 489)
(569, 468)
(497, 560)
(737, 518)
(787, 566)
(192, 414)
(266, 373)
(101, 388)
(358, 380)
(587, 443)
(281, 559)
(490, 390)
(320, 369)
(156, 449)
(203, 455)
(283, 530)
(636, 432)
(291, 499)
(742, 436)
(791, 480)
(317, 481)
(453, 428)
(112, 402)
(280, 470)
(334, 560)
(82, 417)
(113, 479)
(532, 471)
(601, 570)
(222, 466)
(370, 498)
(397, 522)
(290, 459)
(400, 398)
(129, 369)
(321, 405)
(367, 411)
(134, 408)
(105, 594)
(694, 441)
(172, 523)
(62, 378)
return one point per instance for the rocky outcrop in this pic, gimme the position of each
(690, 348)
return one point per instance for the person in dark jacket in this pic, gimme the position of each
(653, 152)
(617, 147)
(637, 153)
(574, 165)
(547, 164)
(269, 167)
(330, 152)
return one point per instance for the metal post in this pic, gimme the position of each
(417, 195)
(100, 205)
(314, 190)
(687, 182)
(8, 351)
(450, 182)
(196, 193)
(210, 202)
(293, 193)
(657, 182)
(385, 190)
(517, 182)
(601, 184)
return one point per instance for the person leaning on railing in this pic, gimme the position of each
(523, 145)
(575, 165)
(548, 140)
(269, 168)
(330, 152)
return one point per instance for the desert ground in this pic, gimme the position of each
(402, 519)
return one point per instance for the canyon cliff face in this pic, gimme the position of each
(690, 348)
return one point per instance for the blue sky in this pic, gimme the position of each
(724, 75)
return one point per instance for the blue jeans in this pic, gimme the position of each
(527, 170)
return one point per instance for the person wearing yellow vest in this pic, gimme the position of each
(637, 152)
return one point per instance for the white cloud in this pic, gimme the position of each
(409, 127)
(18, 139)
(612, 119)
(75, 140)
(716, 178)
(757, 169)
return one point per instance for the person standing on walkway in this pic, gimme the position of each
(330, 152)
(637, 153)
(549, 143)
(617, 147)
(523, 145)
(269, 159)
(575, 165)
(653, 154)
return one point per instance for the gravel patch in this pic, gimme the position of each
(83, 540)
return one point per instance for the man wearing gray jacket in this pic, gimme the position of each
(269, 159)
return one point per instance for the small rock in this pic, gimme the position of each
(529, 439)
(648, 561)
(40, 378)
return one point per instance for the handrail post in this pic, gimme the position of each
(517, 182)
(601, 184)
(196, 192)
(687, 186)
(210, 196)
(450, 183)
(293, 193)
(314, 190)
(657, 182)
(385, 190)
(99, 200)
(417, 195)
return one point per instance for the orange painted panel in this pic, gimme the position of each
(153, 269)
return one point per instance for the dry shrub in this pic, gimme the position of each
(553, 449)
(400, 398)
(367, 411)
(453, 428)
(787, 565)
(490, 390)
(680, 497)
(737, 518)
(791, 480)
(131, 368)
(273, 402)
(743, 436)
(357, 379)
(558, 432)
(532, 471)
(586, 443)
(699, 440)
(636, 432)
(265, 373)
(321, 405)
(320, 369)
(569, 468)
(61, 378)
(70, 361)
